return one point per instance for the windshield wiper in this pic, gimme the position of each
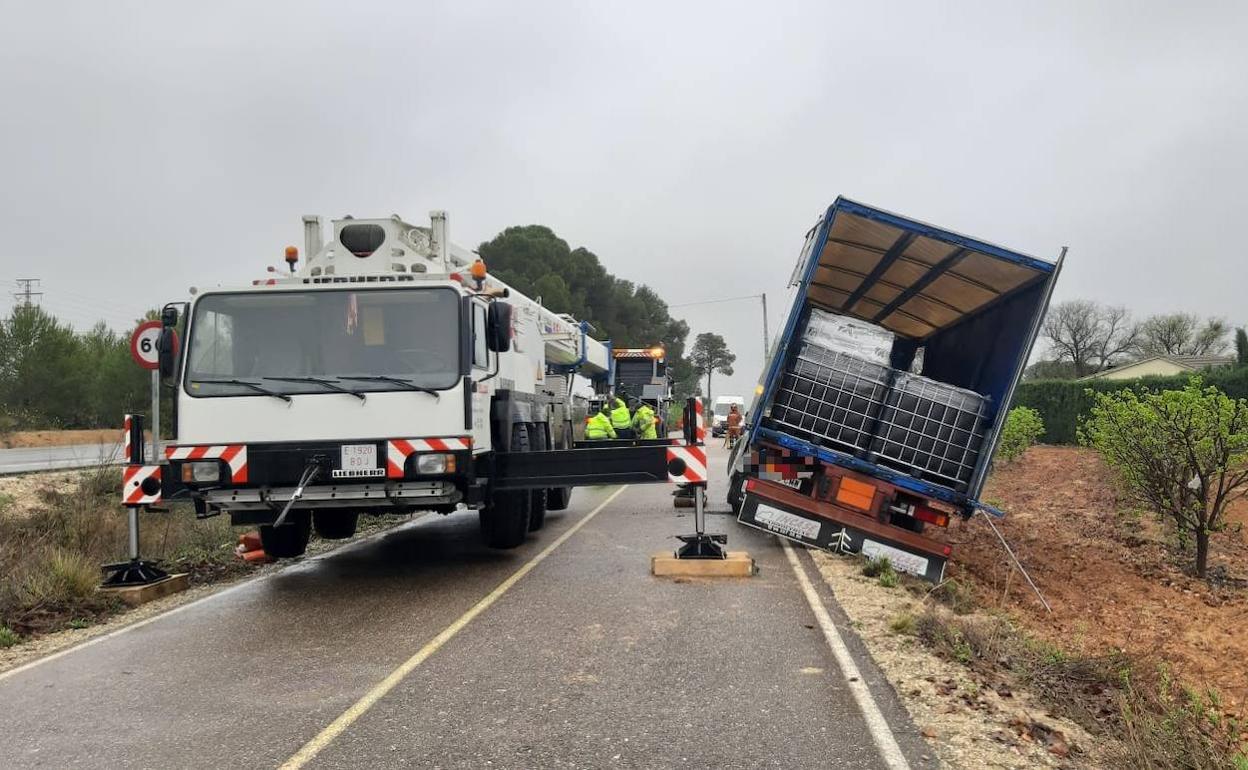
(253, 385)
(397, 381)
(321, 381)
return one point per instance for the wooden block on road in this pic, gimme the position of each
(136, 595)
(738, 564)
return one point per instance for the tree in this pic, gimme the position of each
(1182, 334)
(1050, 370)
(538, 263)
(1184, 453)
(42, 376)
(1089, 335)
(710, 354)
(1241, 347)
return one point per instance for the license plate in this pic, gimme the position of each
(358, 460)
(785, 523)
(902, 560)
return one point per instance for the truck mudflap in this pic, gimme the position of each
(783, 511)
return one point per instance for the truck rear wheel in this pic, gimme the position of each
(335, 525)
(505, 518)
(290, 539)
(736, 486)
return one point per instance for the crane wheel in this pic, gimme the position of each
(505, 518)
(538, 497)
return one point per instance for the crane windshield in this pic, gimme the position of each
(382, 339)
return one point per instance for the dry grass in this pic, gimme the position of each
(50, 558)
(1151, 721)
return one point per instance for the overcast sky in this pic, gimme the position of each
(146, 148)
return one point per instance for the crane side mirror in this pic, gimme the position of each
(167, 343)
(498, 326)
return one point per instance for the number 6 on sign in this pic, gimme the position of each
(143, 345)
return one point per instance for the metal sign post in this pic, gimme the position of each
(155, 415)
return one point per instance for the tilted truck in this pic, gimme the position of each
(387, 373)
(884, 397)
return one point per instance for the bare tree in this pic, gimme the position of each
(1183, 334)
(1089, 335)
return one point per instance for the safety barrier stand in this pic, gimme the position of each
(138, 580)
(703, 554)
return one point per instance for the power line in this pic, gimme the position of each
(763, 297)
(713, 301)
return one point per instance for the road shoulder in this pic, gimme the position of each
(967, 724)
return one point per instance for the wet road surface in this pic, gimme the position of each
(584, 661)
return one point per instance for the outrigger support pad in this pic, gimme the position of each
(701, 545)
(136, 572)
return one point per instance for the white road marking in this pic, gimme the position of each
(881, 733)
(325, 737)
(211, 597)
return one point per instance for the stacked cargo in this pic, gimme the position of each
(930, 429)
(833, 397)
(840, 392)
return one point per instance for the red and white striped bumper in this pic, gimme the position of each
(399, 449)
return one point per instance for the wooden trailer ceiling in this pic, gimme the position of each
(909, 283)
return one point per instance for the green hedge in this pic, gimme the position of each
(1061, 402)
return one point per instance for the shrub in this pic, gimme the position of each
(876, 567)
(1023, 427)
(1061, 403)
(8, 637)
(1183, 453)
(903, 624)
(62, 578)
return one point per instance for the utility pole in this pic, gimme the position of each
(26, 291)
(766, 336)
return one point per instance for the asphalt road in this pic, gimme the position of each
(52, 458)
(584, 660)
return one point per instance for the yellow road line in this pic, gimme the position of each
(361, 706)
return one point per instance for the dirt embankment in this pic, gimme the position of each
(40, 438)
(1113, 576)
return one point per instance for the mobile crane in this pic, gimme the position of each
(388, 372)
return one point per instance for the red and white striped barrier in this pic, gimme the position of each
(125, 439)
(132, 478)
(693, 461)
(701, 421)
(399, 449)
(233, 455)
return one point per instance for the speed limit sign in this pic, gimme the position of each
(143, 344)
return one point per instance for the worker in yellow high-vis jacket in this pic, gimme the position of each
(644, 423)
(598, 425)
(621, 418)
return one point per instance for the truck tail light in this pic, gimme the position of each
(855, 494)
(931, 515)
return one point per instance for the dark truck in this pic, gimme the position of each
(884, 397)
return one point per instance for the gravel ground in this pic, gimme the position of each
(971, 724)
